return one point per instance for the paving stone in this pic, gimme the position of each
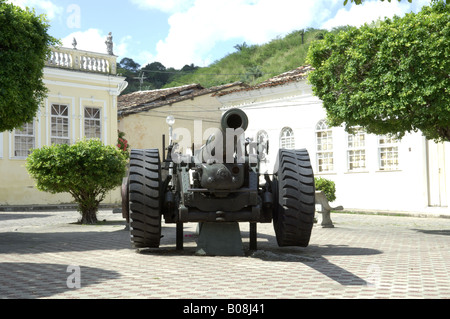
(363, 257)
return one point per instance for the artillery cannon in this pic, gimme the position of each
(219, 183)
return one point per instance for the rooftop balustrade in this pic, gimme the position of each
(85, 61)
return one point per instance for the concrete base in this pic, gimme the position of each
(324, 219)
(220, 239)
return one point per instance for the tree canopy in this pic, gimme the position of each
(361, 1)
(150, 77)
(129, 65)
(24, 46)
(390, 77)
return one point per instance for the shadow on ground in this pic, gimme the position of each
(10, 216)
(443, 232)
(40, 280)
(268, 251)
(112, 236)
(116, 237)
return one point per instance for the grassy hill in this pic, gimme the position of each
(249, 64)
(254, 64)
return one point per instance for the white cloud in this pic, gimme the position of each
(121, 47)
(196, 27)
(194, 32)
(90, 40)
(51, 10)
(143, 58)
(357, 15)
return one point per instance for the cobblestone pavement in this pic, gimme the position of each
(47, 255)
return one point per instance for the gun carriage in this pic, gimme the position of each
(219, 183)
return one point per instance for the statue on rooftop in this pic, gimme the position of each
(109, 44)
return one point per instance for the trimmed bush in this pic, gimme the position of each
(327, 187)
(87, 170)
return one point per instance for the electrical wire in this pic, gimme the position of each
(215, 74)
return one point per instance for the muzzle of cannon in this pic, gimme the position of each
(223, 156)
(226, 142)
(234, 119)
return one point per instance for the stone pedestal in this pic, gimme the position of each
(220, 239)
(325, 210)
(324, 219)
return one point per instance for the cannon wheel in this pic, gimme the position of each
(145, 199)
(294, 197)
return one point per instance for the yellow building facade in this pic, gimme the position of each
(81, 102)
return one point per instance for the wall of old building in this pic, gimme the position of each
(193, 119)
(71, 91)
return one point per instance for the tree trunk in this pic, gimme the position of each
(89, 216)
(88, 206)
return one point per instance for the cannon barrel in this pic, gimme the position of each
(224, 139)
(234, 118)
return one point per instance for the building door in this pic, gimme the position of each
(437, 188)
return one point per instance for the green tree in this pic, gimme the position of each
(357, 2)
(24, 47)
(156, 74)
(189, 68)
(361, 1)
(391, 77)
(241, 47)
(129, 64)
(252, 73)
(87, 170)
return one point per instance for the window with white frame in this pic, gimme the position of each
(324, 152)
(356, 152)
(387, 153)
(24, 140)
(92, 122)
(287, 140)
(59, 124)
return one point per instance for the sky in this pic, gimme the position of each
(180, 32)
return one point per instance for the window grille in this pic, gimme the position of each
(287, 140)
(92, 123)
(356, 153)
(24, 140)
(324, 152)
(388, 153)
(59, 124)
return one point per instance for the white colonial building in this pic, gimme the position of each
(371, 172)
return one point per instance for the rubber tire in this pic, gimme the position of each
(294, 194)
(145, 200)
